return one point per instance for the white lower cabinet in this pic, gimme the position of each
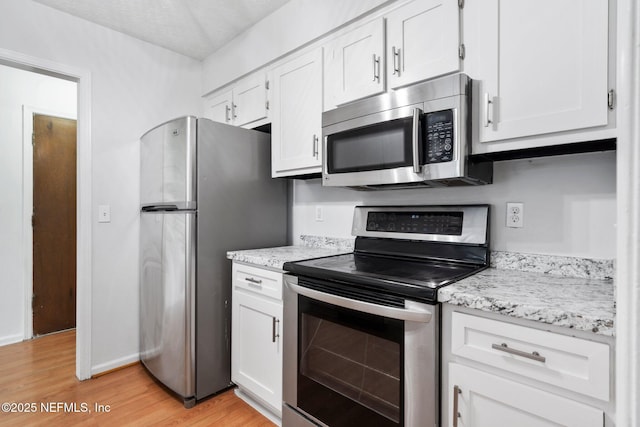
(499, 371)
(480, 399)
(256, 335)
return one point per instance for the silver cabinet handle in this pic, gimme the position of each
(488, 103)
(315, 145)
(234, 109)
(396, 60)
(533, 355)
(376, 68)
(254, 281)
(456, 413)
(409, 314)
(226, 113)
(415, 140)
(274, 335)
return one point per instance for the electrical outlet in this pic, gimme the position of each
(319, 216)
(515, 215)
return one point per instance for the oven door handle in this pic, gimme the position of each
(412, 314)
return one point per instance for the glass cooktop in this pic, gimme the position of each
(403, 252)
(400, 276)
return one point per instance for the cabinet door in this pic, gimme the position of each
(486, 400)
(297, 116)
(250, 99)
(538, 74)
(256, 347)
(354, 65)
(422, 41)
(218, 108)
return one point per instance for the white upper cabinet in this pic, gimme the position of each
(246, 103)
(251, 99)
(297, 116)
(218, 107)
(423, 40)
(541, 67)
(354, 65)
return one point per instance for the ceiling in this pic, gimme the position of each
(195, 28)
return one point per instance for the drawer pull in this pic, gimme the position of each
(533, 355)
(456, 414)
(251, 280)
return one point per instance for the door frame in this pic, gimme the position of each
(83, 193)
(27, 205)
(627, 322)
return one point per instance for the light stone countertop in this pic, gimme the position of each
(570, 292)
(574, 302)
(276, 257)
(312, 247)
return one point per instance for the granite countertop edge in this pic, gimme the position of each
(575, 293)
(312, 247)
(572, 302)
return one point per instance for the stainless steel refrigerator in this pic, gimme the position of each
(205, 188)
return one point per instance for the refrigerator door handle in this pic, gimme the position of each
(159, 208)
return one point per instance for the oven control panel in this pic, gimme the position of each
(439, 137)
(468, 224)
(444, 223)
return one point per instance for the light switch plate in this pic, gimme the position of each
(104, 213)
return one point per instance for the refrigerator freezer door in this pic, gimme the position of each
(168, 164)
(167, 300)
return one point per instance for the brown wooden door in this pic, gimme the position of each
(54, 224)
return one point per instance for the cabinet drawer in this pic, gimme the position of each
(572, 363)
(258, 280)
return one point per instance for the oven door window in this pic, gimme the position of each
(350, 366)
(384, 145)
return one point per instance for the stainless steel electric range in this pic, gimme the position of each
(362, 330)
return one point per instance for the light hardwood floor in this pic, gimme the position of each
(37, 374)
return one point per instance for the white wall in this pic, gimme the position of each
(47, 94)
(295, 24)
(570, 205)
(135, 86)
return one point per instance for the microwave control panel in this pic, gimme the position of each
(439, 137)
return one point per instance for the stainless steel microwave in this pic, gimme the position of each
(416, 136)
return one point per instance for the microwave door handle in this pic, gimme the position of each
(415, 139)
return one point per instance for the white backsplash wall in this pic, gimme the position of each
(569, 205)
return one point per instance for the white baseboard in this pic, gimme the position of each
(104, 367)
(11, 339)
(255, 403)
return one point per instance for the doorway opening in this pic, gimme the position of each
(82, 79)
